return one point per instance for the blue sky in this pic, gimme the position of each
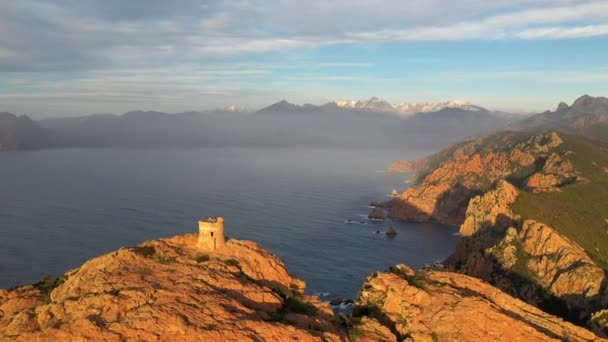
(69, 57)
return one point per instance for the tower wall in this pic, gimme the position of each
(211, 234)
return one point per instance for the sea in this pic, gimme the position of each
(309, 206)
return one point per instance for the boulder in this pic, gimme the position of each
(377, 214)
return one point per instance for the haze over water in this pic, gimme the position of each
(60, 208)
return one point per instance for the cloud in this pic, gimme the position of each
(70, 50)
(564, 32)
(69, 34)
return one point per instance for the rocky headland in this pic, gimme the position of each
(437, 305)
(532, 214)
(167, 290)
(446, 181)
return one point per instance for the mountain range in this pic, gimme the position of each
(374, 123)
(376, 104)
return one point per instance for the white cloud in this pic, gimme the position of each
(145, 50)
(564, 32)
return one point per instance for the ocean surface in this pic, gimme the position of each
(59, 208)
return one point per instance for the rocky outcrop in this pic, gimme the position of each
(377, 214)
(451, 178)
(434, 305)
(556, 172)
(166, 290)
(528, 259)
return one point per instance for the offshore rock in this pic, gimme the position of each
(377, 214)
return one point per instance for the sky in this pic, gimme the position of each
(73, 57)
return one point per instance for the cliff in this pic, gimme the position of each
(166, 290)
(435, 305)
(532, 210)
(528, 259)
(445, 182)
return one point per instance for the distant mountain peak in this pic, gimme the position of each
(282, 106)
(378, 104)
(562, 106)
(239, 109)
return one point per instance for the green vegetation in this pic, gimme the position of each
(202, 258)
(164, 259)
(149, 252)
(232, 262)
(598, 131)
(144, 251)
(419, 279)
(48, 284)
(293, 302)
(579, 211)
(350, 324)
(521, 265)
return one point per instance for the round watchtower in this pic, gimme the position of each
(211, 234)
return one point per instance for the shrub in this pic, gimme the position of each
(232, 262)
(144, 251)
(293, 302)
(49, 283)
(202, 258)
(165, 259)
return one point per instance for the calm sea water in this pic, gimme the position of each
(59, 208)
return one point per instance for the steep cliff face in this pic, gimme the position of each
(434, 305)
(451, 178)
(166, 290)
(527, 258)
(532, 210)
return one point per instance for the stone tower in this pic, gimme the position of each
(211, 234)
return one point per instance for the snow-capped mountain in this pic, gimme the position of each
(378, 105)
(239, 109)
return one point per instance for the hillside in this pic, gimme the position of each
(167, 290)
(579, 210)
(586, 116)
(532, 210)
(436, 305)
(22, 133)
